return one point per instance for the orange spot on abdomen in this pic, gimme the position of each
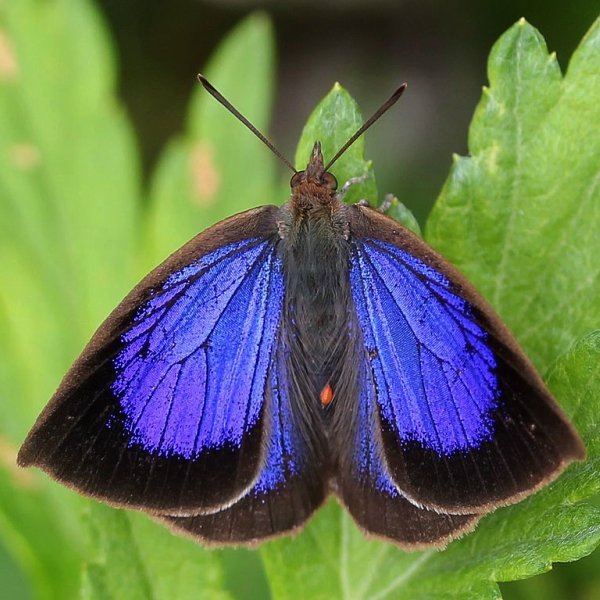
(326, 395)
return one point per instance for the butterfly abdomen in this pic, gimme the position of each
(315, 258)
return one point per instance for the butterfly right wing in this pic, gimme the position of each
(172, 407)
(451, 419)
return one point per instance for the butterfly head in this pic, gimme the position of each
(315, 172)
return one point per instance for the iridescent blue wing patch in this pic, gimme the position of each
(179, 404)
(453, 418)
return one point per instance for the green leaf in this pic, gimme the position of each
(217, 168)
(399, 211)
(332, 123)
(520, 216)
(69, 189)
(33, 526)
(137, 559)
(575, 379)
(69, 192)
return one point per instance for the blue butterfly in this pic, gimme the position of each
(291, 352)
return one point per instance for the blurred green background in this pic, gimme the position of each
(370, 46)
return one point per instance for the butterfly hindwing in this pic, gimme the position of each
(455, 418)
(291, 484)
(364, 479)
(168, 407)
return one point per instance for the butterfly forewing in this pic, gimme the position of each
(166, 409)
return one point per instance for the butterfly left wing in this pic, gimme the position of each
(292, 482)
(454, 419)
(171, 407)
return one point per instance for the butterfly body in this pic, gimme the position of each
(288, 353)
(313, 245)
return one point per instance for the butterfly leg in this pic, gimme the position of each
(352, 181)
(383, 207)
(387, 203)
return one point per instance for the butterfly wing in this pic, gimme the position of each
(171, 406)
(366, 485)
(453, 416)
(292, 482)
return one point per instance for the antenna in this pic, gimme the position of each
(236, 113)
(380, 111)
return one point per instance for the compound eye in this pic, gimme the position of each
(329, 181)
(296, 179)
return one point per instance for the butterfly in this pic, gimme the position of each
(289, 353)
